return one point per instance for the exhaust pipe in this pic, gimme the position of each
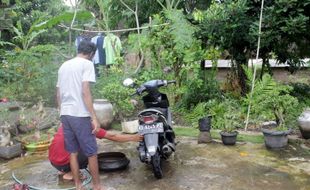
(168, 149)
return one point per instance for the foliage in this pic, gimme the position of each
(27, 12)
(233, 26)
(29, 74)
(24, 39)
(285, 31)
(169, 45)
(271, 101)
(227, 25)
(111, 13)
(302, 92)
(226, 114)
(109, 86)
(199, 85)
(64, 17)
(198, 112)
(151, 74)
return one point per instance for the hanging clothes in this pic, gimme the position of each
(96, 56)
(112, 45)
(101, 50)
(78, 40)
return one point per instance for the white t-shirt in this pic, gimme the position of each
(71, 74)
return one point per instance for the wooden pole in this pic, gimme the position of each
(256, 61)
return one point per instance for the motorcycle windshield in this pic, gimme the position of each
(151, 143)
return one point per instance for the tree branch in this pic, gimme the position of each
(158, 1)
(127, 6)
(72, 22)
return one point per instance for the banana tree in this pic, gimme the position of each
(24, 39)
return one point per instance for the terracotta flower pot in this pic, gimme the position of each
(104, 112)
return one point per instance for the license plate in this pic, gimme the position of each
(151, 128)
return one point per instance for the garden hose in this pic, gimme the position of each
(85, 182)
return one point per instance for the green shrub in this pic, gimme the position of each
(302, 92)
(109, 86)
(226, 114)
(27, 75)
(272, 100)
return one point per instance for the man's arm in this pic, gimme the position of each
(87, 98)
(123, 137)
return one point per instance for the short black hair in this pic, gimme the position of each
(87, 47)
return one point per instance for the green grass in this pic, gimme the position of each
(193, 132)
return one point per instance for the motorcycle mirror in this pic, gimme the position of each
(128, 82)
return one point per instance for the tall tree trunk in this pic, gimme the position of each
(242, 61)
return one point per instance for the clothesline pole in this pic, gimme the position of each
(256, 61)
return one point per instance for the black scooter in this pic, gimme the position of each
(155, 124)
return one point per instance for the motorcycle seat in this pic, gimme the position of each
(150, 110)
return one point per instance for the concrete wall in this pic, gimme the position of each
(279, 74)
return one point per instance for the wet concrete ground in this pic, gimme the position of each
(194, 167)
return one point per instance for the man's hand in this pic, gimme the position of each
(95, 125)
(137, 138)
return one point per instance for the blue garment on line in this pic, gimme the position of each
(101, 50)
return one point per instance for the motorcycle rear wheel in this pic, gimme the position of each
(156, 163)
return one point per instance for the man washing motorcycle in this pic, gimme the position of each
(60, 158)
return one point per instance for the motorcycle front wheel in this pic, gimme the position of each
(156, 163)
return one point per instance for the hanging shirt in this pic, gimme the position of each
(113, 47)
(57, 153)
(96, 56)
(101, 50)
(78, 40)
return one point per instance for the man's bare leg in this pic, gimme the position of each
(93, 167)
(74, 165)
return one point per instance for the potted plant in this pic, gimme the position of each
(35, 139)
(226, 115)
(199, 113)
(276, 136)
(272, 100)
(304, 123)
(8, 148)
(230, 123)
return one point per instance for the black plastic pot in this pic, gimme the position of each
(8, 152)
(229, 138)
(205, 124)
(275, 139)
(112, 161)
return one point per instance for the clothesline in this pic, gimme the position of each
(110, 31)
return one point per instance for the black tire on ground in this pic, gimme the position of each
(156, 164)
